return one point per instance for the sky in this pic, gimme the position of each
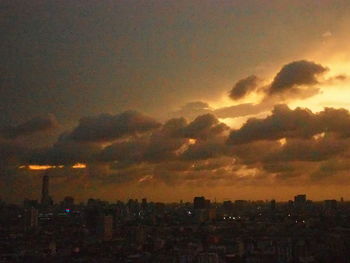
(171, 99)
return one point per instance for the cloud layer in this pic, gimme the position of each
(287, 146)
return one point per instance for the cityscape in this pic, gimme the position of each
(175, 131)
(202, 231)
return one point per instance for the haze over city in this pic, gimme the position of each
(174, 99)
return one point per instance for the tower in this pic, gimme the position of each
(45, 198)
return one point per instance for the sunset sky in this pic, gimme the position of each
(167, 100)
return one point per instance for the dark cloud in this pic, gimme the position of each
(106, 127)
(244, 87)
(295, 80)
(204, 126)
(174, 127)
(34, 125)
(335, 120)
(331, 168)
(10, 152)
(298, 123)
(254, 152)
(312, 150)
(282, 123)
(160, 145)
(163, 147)
(297, 73)
(203, 150)
(217, 155)
(127, 151)
(64, 152)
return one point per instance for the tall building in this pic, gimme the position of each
(45, 197)
(273, 205)
(299, 201)
(30, 218)
(144, 204)
(105, 227)
(199, 202)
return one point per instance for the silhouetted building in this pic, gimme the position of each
(227, 205)
(199, 202)
(330, 204)
(240, 204)
(45, 197)
(144, 204)
(92, 216)
(30, 218)
(273, 205)
(105, 227)
(300, 201)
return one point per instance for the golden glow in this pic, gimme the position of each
(79, 166)
(282, 141)
(40, 167)
(192, 141)
(334, 92)
(319, 136)
(46, 167)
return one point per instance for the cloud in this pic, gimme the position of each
(296, 74)
(192, 109)
(203, 150)
(34, 125)
(63, 152)
(298, 123)
(310, 150)
(244, 87)
(106, 127)
(160, 145)
(282, 123)
(126, 151)
(10, 151)
(204, 126)
(241, 110)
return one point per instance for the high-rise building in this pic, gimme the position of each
(45, 197)
(30, 218)
(199, 202)
(300, 201)
(300, 198)
(105, 227)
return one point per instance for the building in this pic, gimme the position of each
(105, 227)
(199, 202)
(299, 201)
(30, 218)
(330, 204)
(273, 205)
(45, 197)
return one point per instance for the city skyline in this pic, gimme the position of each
(173, 99)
